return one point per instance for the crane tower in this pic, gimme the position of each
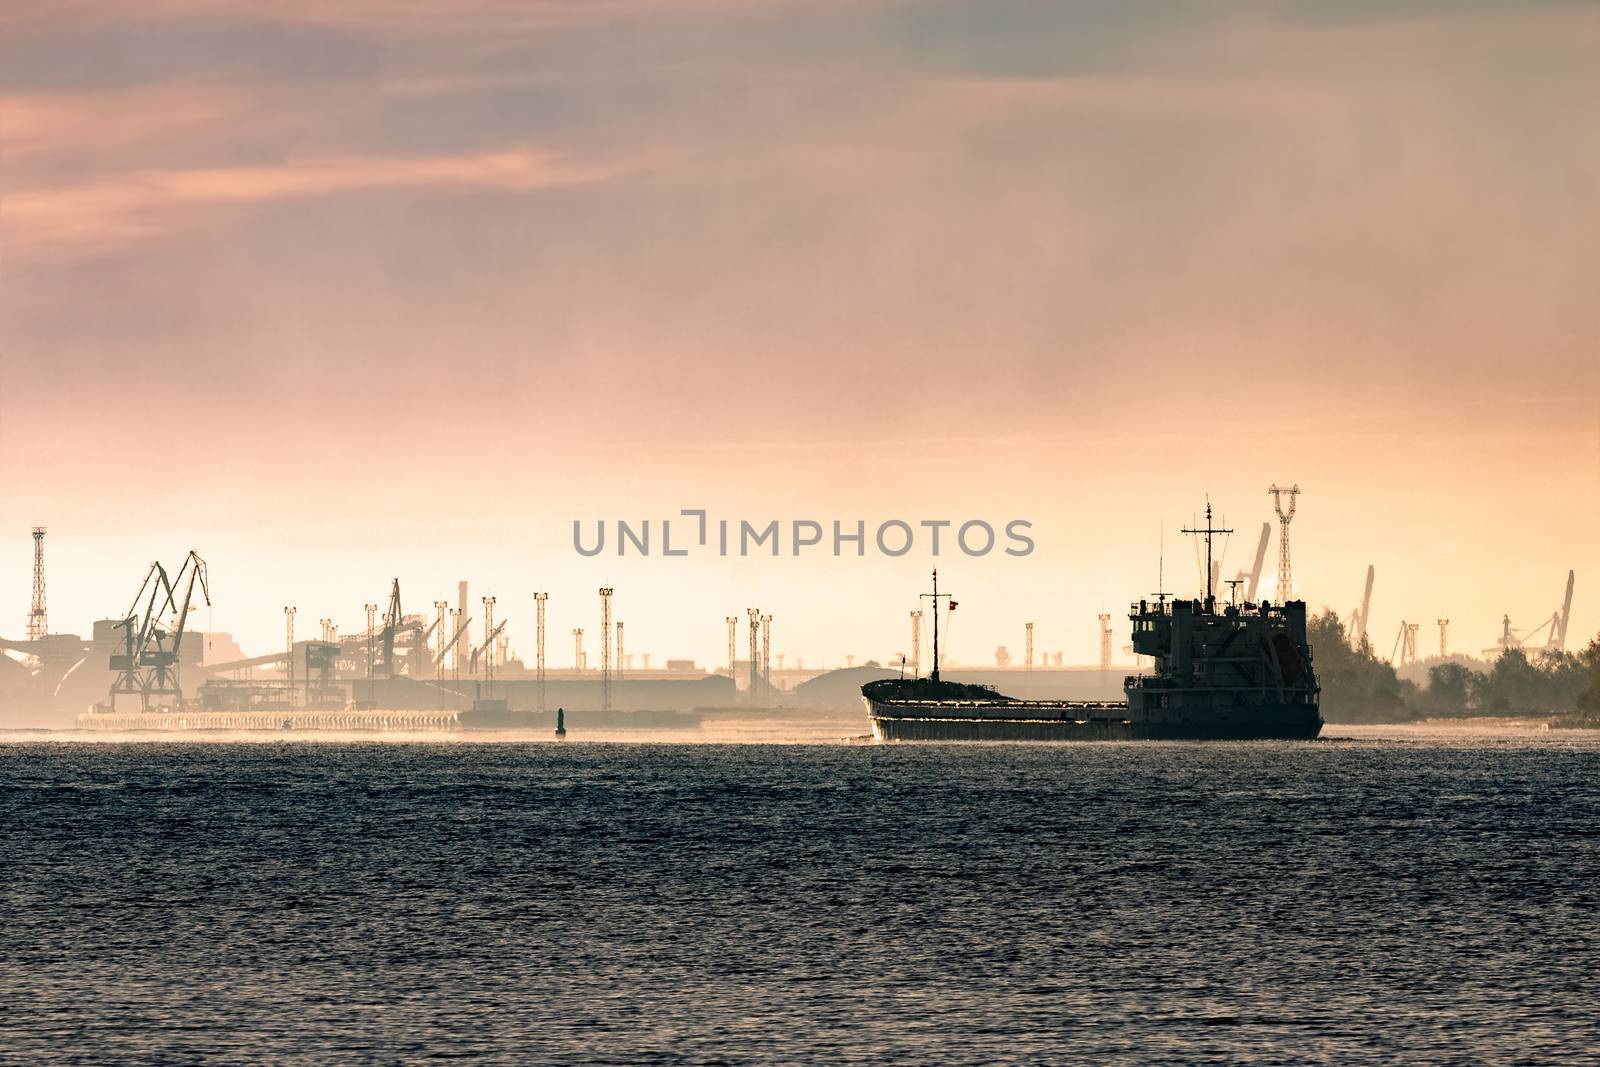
(1027, 648)
(605, 647)
(1105, 641)
(733, 646)
(439, 608)
(38, 623)
(538, 642)
(1444, 638)
(488, 651)
(372, 629)
(766, 654)
(755, 635)
(288, 664)
(1285, 575)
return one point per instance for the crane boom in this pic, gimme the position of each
(1366, 606)
(455, 640)
(1261, 555)
(391, 623)
(197, 570)
(1558, 636)
(472, 663)
(147, 667)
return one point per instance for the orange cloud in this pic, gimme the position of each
(41, 130)
(392, 16)
(147, 203)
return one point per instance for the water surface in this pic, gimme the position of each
(1415, 899)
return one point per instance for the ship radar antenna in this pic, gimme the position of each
(1161, 561)
(1208, 532)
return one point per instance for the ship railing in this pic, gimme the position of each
(1164, 607)
(1084, 704)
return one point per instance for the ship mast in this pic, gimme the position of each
(1208, 531)
(935, 597)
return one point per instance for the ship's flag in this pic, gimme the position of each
(952, 605)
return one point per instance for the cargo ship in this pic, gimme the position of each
(1235, 671)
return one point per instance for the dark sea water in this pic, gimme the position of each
(1337, 901)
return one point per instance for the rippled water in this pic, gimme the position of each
(309, 902)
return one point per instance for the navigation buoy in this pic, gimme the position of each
(561, 723)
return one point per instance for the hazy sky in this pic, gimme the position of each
(337, 291)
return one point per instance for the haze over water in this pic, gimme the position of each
(1397, 900)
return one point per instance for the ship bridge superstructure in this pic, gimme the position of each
(1207, 656)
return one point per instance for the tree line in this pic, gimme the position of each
(1357, 686)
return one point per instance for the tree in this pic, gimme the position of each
(1450, 685)
(1356, 686)
(1589, 662)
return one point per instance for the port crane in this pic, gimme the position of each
(1554, 628)
(488, 642)
(1510, 637)
(1255, 569)
(147, 666)
(455, 639)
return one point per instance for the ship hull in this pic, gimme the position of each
(1067, 722)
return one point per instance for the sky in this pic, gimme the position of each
(340, 292)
